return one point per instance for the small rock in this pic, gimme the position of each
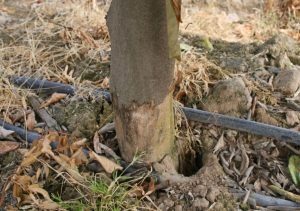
(200, 204)
(292, 118)
(212, 194)
(279, 44)
(287, 81)
(178, 208)
(200, 190)
(229, 97)
(169, 203)
(218, 206)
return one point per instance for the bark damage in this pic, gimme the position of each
(141, 77)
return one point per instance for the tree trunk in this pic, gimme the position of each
(141, 78)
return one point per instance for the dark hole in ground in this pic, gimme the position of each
(190, 162)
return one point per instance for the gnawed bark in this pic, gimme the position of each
(141, 78)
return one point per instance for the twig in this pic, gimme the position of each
(247, 174)
(109, 151)
(246, 196)
(252, 109)
(43, 114)
(286, 194)
(293, 149)
(21, 115)
(292, 105)
(106, 128)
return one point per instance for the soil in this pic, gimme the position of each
(245, 73)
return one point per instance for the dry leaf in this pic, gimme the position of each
(220, 144)
(20, 115)
(177, 9)
(108, 165)
(30, 121)
(21, 183)
(105, 83)
(31, 156)
(38, 173)
(49, 205)
(96, 142)
(136, 191)
(8, 146)
(78, 144)
(4, 133)
(55, 97)
(46, 170)
(151, 187)
(79, 158)
(35, 188)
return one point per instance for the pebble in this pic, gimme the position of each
(200, 204)
(228, 97)
(212, 194)
(200, 190)
(287, 81)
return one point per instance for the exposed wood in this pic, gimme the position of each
(141, 78)
(43, 114)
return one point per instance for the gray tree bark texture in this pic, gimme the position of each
(141, 78)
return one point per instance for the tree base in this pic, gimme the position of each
(147, 129)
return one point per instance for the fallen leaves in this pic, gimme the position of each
(108, 165)
(44, 163)
(105, 83)
(8, 146)
(55, 97)
(30, 121)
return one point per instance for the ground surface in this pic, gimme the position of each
(241, 60)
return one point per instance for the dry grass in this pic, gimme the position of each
(57, 40)
(194, 75)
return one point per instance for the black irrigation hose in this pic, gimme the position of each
(42, 85)
(51, 87)
(257, 128)
(278, 133)
(265, 201)
(24, 134)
